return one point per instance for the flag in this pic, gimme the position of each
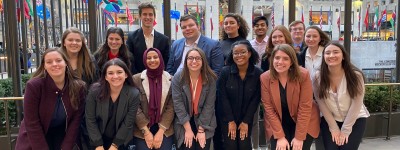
(311, 22)
(203, 27)
(128, 13)
(221, 18)
(302, 14)
(198, 15)
(116, 19)
(330, 18)
(1, 5)
(186, 9)
(176, 26)
(366, 18)
(383, 18)
(283, 15)
(211, 22)
(320, 17)
(29, 6)
(376, 17)
(359, 18)
(393, 19)
(273, 16)
(338, 19)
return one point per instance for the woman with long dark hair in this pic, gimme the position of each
(339, 90)
(53, 105)
(111, 107)
(113, 47)
(194, 94)
(154, 126)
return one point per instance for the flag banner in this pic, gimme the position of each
(338, 19)
(366, 18)
(283, 15)
(302, 14)
(383, 18)
(376, 18)
(128, 13)
(393, 19)
(273, 16)
(320, 17)
(310, 16)
(211, 21)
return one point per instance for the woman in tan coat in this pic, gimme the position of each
(286, 93)
(154, 128)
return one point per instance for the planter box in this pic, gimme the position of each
(377, 124)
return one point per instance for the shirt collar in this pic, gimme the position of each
(319, 52)
(152, 33)
(265, 40)
(195, 42)
(298, 45)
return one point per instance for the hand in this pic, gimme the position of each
(158, 138)
(148, 137)
(189, 136)
(112, 148)
(244, 130)
(232, 130)
(201, 138)
(343, 139)
(335, 137)
(282, 144)
(99, 148)
(297, 144)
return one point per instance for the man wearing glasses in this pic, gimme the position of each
(296, 29)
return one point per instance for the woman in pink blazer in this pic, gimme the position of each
(286, 94)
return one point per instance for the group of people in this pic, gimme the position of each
(148, 94)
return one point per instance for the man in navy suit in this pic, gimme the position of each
(193, 38)
(146, 37)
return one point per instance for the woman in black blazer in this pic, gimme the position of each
(111, 107)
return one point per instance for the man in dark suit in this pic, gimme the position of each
(297, 30)
(193, 38)
(146, 37)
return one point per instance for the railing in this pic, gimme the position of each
(389, 118)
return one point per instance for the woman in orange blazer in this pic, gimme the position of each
(286, 93)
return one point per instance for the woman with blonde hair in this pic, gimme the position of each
(286, 94)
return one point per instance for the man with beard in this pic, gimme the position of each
(146, 37)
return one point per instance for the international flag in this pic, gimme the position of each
(273, 16)
(198, 15)
(383, 18)
(302, 14)
(310, 12)
(393, 19)
(186, 9)
(320, 17)
(211, 22)
(366, 18)
(128, 13)
(330, 18)
(359, 18)
(338, 19)
(283, 15)
(376, 18)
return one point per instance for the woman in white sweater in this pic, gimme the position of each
(339, 90)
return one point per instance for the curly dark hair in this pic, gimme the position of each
(254, 58)
(243, 27)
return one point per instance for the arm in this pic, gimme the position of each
(179, 102)
(323, 107)
(270, 111)
(304, 108)
(73, 129)
(223, 96)
(32, 120)
(126, 126)
(254, 103)
(217, 59)
(168, 115)
(354, 110)
(208, 109)
(91, 122)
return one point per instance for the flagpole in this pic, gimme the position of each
(176, 23)
(359, 23)
(394, 23)
(211, 30)
(127, 17)
(385, 22)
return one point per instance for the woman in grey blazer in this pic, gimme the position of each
(111, 107)
(194, 94)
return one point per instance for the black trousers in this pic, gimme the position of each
(236, 144)
(306, 143)
(195, 144)
(355, 136)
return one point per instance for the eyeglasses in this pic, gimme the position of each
(191, 58)
(240, 53)
(297, 29)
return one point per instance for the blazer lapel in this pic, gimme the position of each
(156, 39)
(188, 94)
(203, 95)
(289, 96)
(104, 111)
(276, 97)
(122, 102)
(145, 83)
(201, 43)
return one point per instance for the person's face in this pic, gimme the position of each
(54, 64)
(231, 26)
(152, 60)
(189, 29)
(115, 76)
(147, 17)
(114, 41)
(241, 55)
(260, 28)
(278, 38)
(73, 43)
(194, 61)
(333, 56)
(297, 32)
(281, 62)
(312, 38)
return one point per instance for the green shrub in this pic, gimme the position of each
(377, 98)
(6, 90)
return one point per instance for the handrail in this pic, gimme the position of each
(6, 99)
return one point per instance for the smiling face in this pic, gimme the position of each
(55, 64)
(297, 32)
(147, 17)
(189, 29)
(333, 56)
(194, 61)
(153, 60)
(278, 38)
(231, 27)
(281, 62)
(312, 38)
(115, 76)
(73, 43)
(114, 41)
(260, 28)
(241, 55)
